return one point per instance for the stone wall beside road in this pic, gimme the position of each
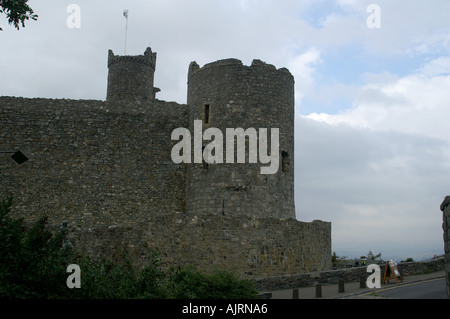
(347, 275)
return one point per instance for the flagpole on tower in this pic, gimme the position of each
(125, 14)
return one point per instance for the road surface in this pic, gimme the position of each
(427, 289)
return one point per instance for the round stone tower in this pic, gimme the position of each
(131, 77)
(241, 101)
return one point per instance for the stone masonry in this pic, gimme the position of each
(445, 208)
(105, 167)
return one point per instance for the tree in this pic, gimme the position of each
(17, 11)
(371, 256)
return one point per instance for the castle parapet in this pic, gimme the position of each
(131, 77)
(256, 63)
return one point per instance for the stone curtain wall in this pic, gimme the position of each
(110, 175)
(445, 208)
(253, 248)
(90, 164)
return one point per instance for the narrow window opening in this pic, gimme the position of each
(285, 161)
(223, 207)
(206, 115)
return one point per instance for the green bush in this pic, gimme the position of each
(190, 283)
(33, 264)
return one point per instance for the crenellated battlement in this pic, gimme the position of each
(255, 65)
(148, 58)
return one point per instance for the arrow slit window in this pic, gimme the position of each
(206, 114)
(285, 161)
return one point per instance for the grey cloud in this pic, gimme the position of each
(369, 183)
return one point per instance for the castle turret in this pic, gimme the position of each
(131, 77)
(227, 94)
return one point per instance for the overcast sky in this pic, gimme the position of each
(372, 95)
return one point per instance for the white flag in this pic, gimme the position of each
(125, 13)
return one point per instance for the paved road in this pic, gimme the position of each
(433, 287)
(427, 289)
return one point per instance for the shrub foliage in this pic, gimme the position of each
(33, 264)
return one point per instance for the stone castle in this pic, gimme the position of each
(105, 167)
